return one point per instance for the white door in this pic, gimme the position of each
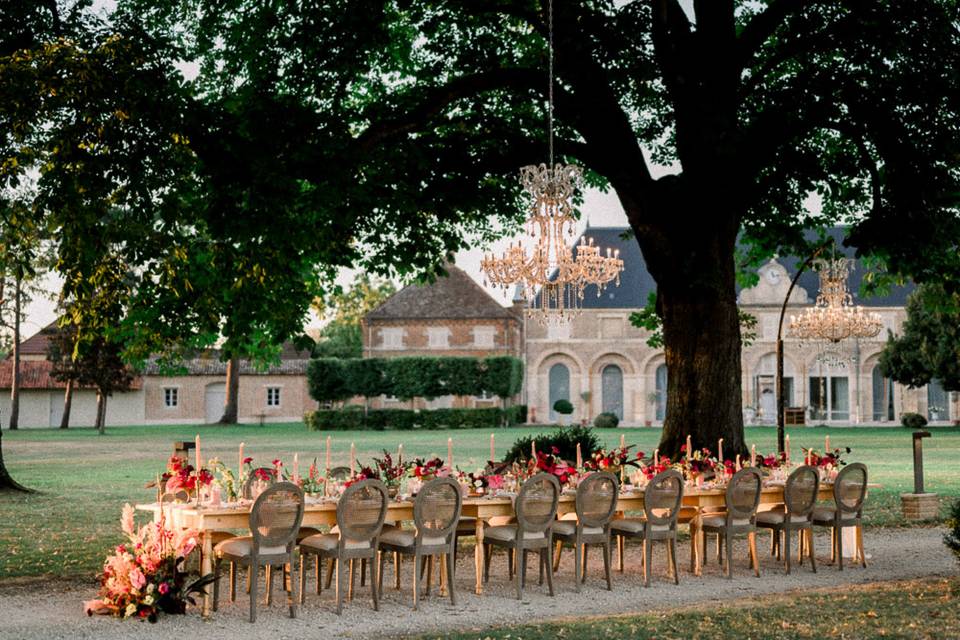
(768, 405)
(216, 395)
(56, 408)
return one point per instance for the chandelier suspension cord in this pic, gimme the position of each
(550, 77)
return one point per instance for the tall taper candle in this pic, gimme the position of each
(720, 450)
(579, 457)
(753, 455)
(533, 449)
(689, 449)
(400, 454)
(623, 441)
(328, 455)
(450, 453)
(197, 446)
(808, 457)
(296, 468)
(353, 459)
(738, 462)
(656, 457)
(240, 463)
(786, 449)
(492, 449)
(826, 445)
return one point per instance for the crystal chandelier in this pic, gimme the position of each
(834, 317)
(552, 276)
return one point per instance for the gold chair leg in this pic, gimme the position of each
(621, 548)
(268, 584)
(863, 554)
(396, 570)
(353, 575)
(556, 555)
(233, 582)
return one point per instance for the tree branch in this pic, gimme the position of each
(762, 26)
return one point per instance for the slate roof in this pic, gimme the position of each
(35, 374)
(636, 283)
(456, 296)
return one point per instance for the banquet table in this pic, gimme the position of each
(206, 519)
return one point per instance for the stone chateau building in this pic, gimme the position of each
(600, 362)
(453, 316)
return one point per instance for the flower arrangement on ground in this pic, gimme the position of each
(145, 576)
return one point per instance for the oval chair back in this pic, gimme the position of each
(340, 474)
(263, 474)
(597, 499)
(850, 489)
(275, 518)
(361, 510)
(536, 506)
(743, 496)
(436, 511)
(800, 493)
(662, 498)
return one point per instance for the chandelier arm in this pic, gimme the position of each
(793, 283)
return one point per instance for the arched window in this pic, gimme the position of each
(661, 392)
(938, 404)
(559, 386)
(611, 379)
(882, 396)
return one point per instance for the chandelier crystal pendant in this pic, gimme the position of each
(834, 317)
(552, 277)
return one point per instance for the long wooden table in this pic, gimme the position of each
(205, 519)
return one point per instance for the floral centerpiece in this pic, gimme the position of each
(698, 464)
(649, 471)
(553, 464)
(424, 470)
(181, 476)
(390, 471)
(224, 479)
(315, 482)
(613, 460)
(145, 576)
(830, 460)
(480, 483)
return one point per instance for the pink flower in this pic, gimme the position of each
(137, 579)
(164, 588)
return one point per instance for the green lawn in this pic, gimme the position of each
(914, 609)
(84, 479)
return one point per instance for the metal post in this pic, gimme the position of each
(918, 437)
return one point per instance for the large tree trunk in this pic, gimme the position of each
(693, 264)
(6, 482)
(15, 373)
(231, 401)
(67, 404)
(101, 411)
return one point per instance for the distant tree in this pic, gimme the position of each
(929, 346)
(102, 367)
(64, 368)
(344, 310)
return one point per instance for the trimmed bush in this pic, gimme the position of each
(913, 420)
(563, 407)
(565, 440)
(502, 375)
(407, 419)
(515, 415)
(327, 380)
(364, 377)
(606, 420)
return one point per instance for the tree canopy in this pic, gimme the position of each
(344, 310)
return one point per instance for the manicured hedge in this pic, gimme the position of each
(333, 379)
(354, 418)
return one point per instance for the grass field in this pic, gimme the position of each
(84, 479)
(913, 609)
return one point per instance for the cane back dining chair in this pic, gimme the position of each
(436, 512)
(596, 503)
(274, 522)
(662, 499)
(849, 494)
(799, 500)
(360, 513)
(742, 499)
(536, 511)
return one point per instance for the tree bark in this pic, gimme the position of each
(7, 483)
(101, 411)
(67, 403)
(15, 372)
(231, 400)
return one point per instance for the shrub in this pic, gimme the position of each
(952, 537)
(364, 376)
(913, 420)
(565, 440)
(502, 376)
(606, 420)
(354, 418)
(515, 415)
(563, 407)
(327, 381)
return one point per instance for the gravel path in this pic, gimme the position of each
(26, 614)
